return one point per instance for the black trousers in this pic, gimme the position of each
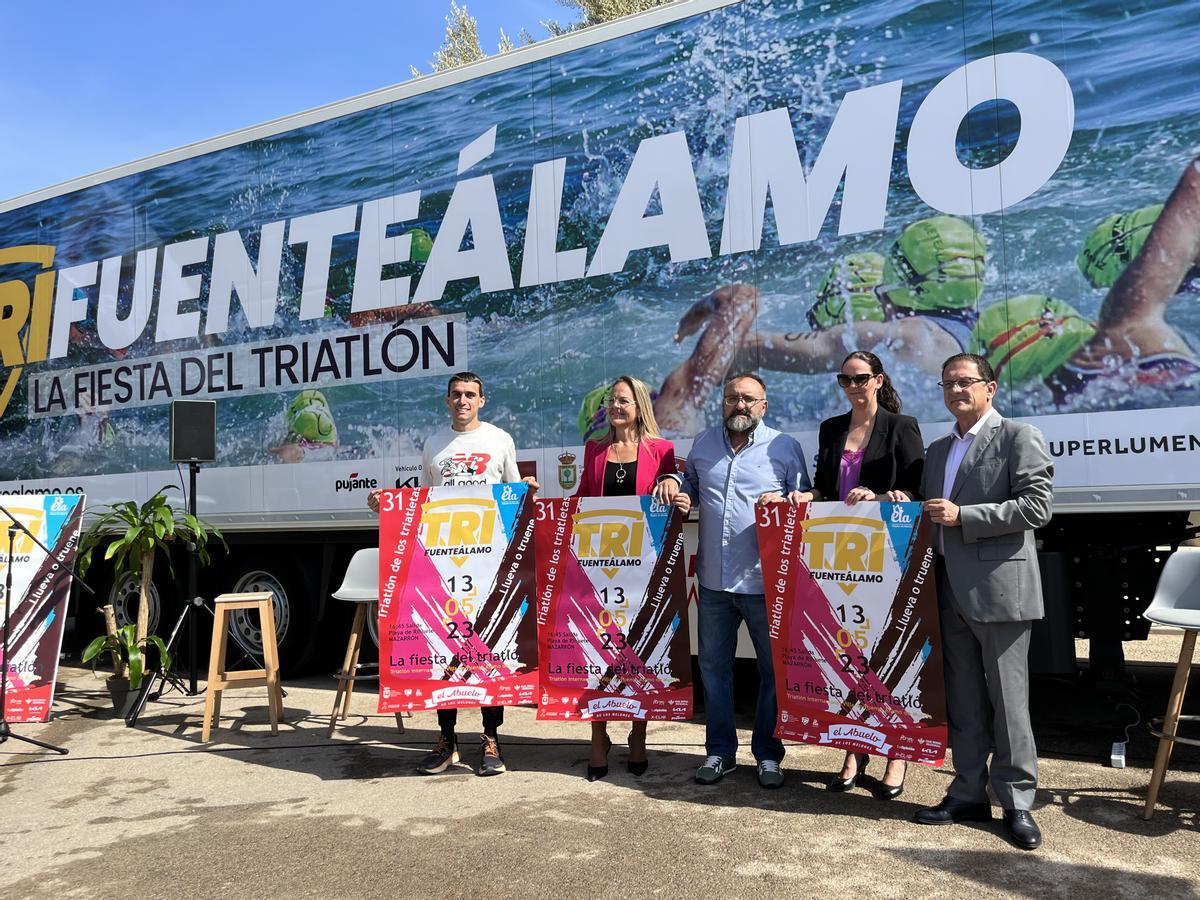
(493, 718)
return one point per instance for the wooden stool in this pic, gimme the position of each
(268, 676)
(1168, 735)
(348, 674)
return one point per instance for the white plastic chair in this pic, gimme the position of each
(1176, 603)
(360, 586)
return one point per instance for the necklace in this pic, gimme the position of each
(619, 475)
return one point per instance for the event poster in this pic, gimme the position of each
(612, 606)
(457, 625)
(853, 620)
(41, 585)
(946, 176)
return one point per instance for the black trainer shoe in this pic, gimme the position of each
(442, 757)
(490, 760)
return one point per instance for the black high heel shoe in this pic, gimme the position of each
(841, 785)
(595, 773)
(638, 767)
(891, 791)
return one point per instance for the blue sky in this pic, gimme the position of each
(87, 85)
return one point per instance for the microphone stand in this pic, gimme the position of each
(14, 525)
(160, 678)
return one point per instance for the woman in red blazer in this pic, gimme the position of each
(628, 460)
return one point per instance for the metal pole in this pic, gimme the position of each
(193, 637)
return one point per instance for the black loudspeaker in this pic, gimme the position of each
(193, 431)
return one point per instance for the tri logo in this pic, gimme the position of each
(25, 313)
(616, 536)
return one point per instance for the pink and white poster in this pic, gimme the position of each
(457, 626)
(41, 585)
(853, 619)
(612, 608)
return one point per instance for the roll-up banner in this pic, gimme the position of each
(41, 585)
(457, 625)
(853, 619)
(612, 610)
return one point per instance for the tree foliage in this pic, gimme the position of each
(461, 44)
(133, 535)
(594, 12)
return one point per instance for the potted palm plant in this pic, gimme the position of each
(129, 663)
(133, 535)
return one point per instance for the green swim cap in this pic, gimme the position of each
(853, 278)
(936, 263)
(593, 421)
(310, 418)
(422, 245)
(1026, 338)
(1114, 243)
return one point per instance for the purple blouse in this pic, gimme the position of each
(849, 470)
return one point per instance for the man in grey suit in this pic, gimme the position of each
(993, 482)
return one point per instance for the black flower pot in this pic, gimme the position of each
(121, 695)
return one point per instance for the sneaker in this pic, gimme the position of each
(442, 757)
(714, 769)
(490, 760)
(769, 773)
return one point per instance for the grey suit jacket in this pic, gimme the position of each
(1003, 489)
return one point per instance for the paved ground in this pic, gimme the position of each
(299, 815)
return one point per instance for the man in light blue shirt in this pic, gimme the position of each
(728, 469)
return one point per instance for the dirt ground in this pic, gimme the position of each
(303, 815)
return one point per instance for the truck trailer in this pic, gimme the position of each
(711, 186)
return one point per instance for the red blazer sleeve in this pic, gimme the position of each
(588, 484)
(660, 460)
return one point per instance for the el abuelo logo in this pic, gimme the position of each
(24, 313)
(609, 539)
(847, 550)
(458, 527)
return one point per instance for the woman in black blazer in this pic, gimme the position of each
(870, 453)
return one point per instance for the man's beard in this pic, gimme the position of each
(740, 423)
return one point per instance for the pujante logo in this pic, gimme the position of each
(355, 483)
(24, 314)
(568, 472)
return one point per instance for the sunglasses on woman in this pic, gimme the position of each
(859, 380)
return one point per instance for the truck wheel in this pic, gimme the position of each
(124, 597)
(295, 616)
(373, 624)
